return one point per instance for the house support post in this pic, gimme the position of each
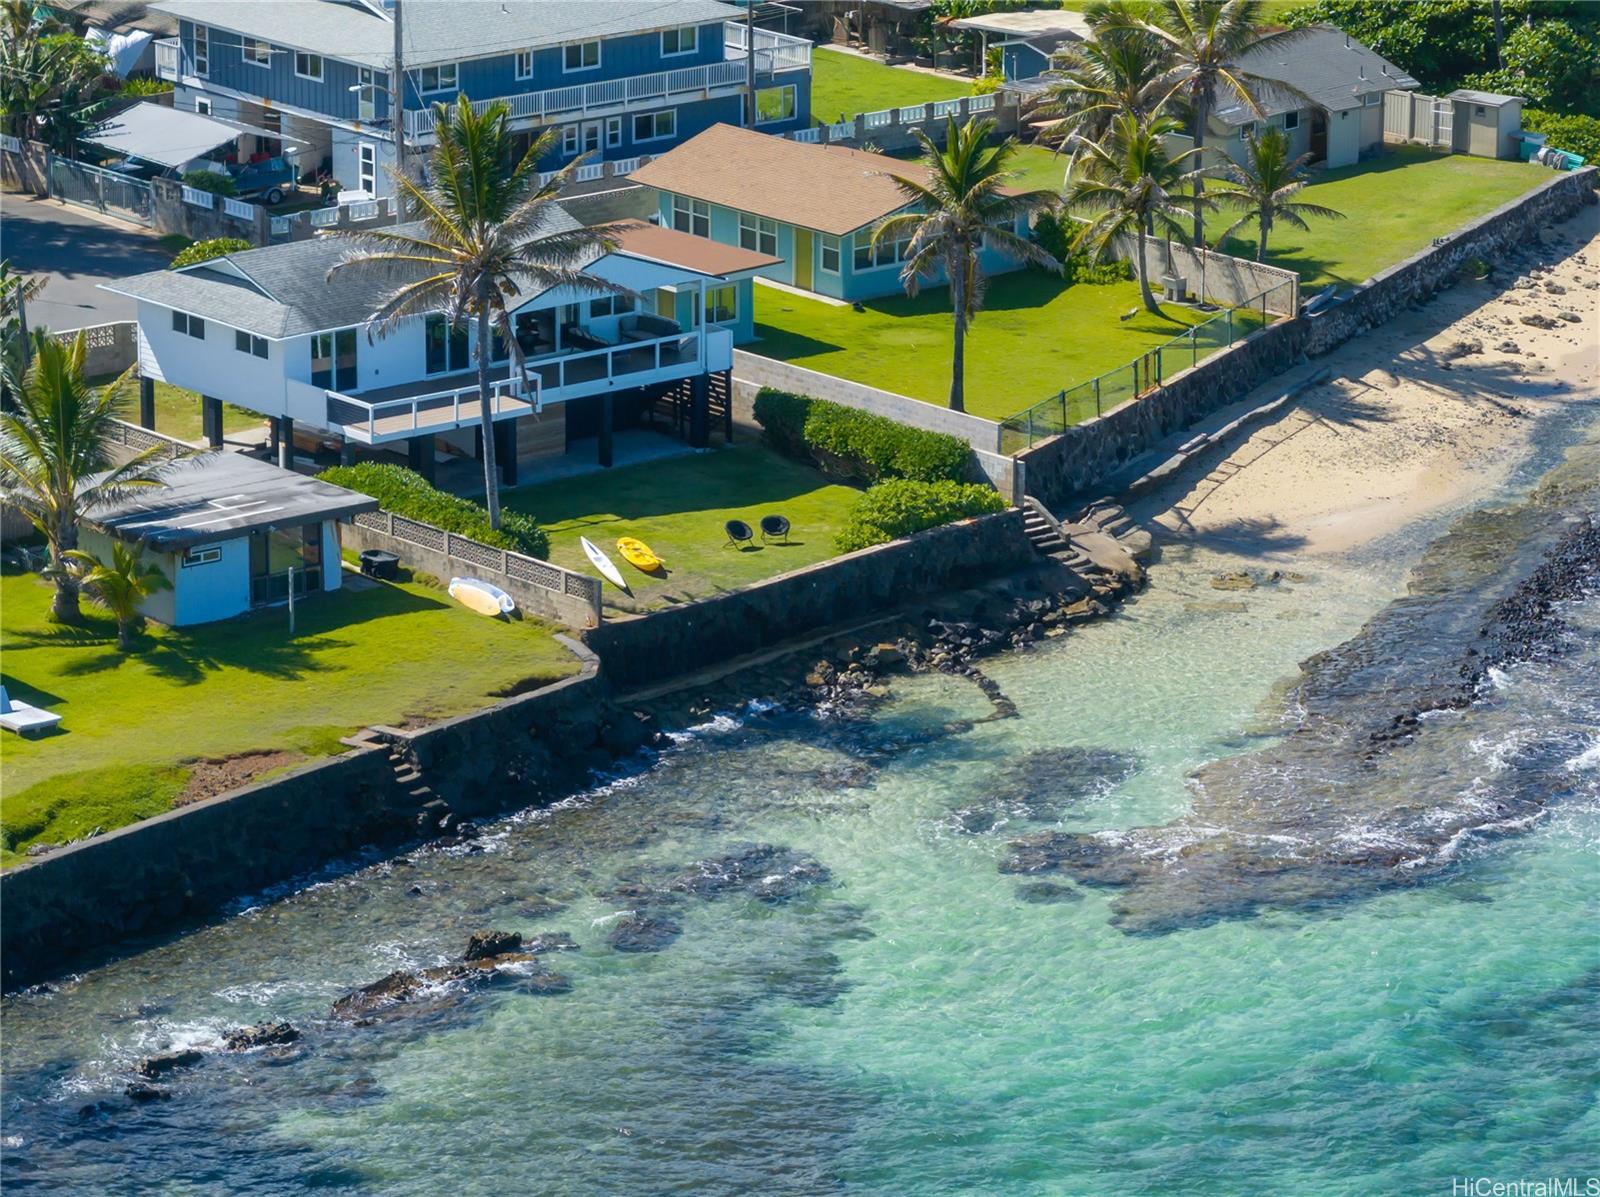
(285, 429)
(419, 456)
(347, 452)
(505, 450)
(147, 403)
(700, 411)
(607, 419)
(211, 420)
(727, 406)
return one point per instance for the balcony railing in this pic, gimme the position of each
(556, 378)
(437, 411)
(169, 56)
(775, 52)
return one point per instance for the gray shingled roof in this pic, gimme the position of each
(285, 291)
(218, 496)
(440, 30)
(1330, 67)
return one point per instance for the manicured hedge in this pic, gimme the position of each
(405, 492)
(901, 506)
(1575, 134)
(868, 446)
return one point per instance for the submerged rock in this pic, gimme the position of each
(644, 931)
(1048, 893)
(759, 870)
(1041, 786)
(484, 945)
(549, 941)
(141, 1092)
(164, 1062)
(264, 1034)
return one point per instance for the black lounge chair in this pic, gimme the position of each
(739, 533)
(775, 526)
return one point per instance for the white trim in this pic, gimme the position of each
(670, 113)
(518, 58)
(794, 96)
(202, 105)
(247, 44)
(322, 66)
(200, 61)
(1287, 127)
(613, 132)
(439, 84)
(580, 47)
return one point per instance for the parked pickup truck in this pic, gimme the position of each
(271, 178)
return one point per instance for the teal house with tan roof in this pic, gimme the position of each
(811, 206)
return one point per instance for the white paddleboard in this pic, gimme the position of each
(483, 597)
(603, 563)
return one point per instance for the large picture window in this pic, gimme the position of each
(885, 253)
(653, 126)
(775, 104)
(581, 56)
(333, 360)
(447, 346)
(440, 78)
(758, 233)
(722, 304)
(691, 216)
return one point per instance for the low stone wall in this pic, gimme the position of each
(680, 640)
(1080, 458)
(184, 865)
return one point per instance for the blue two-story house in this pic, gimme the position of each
(621, 79)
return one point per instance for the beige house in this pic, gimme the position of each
(1337, 117)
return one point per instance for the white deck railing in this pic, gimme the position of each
(169, 53)
(775, 52)
(200, 199)
(360, 418)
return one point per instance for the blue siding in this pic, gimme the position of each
(278, 82)
(1022, 61)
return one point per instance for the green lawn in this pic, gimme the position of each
(178, 412)
(132, 723)
(1393, 206)
(678, 507)
(849, 84)
(1038, 168)
(1034, 337)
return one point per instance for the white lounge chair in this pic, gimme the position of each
(24, 718)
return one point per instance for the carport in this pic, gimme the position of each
(170, 136)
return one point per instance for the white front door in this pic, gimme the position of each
(367, 168)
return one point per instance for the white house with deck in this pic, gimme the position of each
(267, 330)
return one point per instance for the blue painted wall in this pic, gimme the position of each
(849, 283)
(279, 83)
(1022, 61)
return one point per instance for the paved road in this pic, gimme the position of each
(42, 236)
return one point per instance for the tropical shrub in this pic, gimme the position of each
(204, 251)
(857, 443)
(405, 492)
(1578, 134)
(1054, 234)
(217, 182)
(142, 86)
(901, 506)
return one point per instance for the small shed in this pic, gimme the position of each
(1485, 124)
(227, 531)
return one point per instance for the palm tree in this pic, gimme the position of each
(1129, 184)
(52, 82)
(489, 233)
(55, 454)
(1205, 40)
(1265, 186)
(1118, 70)
(962, 207)
(120, 585)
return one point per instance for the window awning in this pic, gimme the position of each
(170, 136)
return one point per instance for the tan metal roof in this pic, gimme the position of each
(831, 189)
(652, 242)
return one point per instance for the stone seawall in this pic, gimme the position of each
(1079, 460)
(182, 866)
(872, 581)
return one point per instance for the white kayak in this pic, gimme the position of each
(483, 597)
(603, 563)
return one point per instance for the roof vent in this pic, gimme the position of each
(1363, 72)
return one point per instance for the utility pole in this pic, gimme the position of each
(750, 63)
(397, 113)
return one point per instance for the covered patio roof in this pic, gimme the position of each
(170, 136)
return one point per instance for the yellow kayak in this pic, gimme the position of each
(636, 553)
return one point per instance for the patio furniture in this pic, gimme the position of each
(24, 718)
(380, 563)
(775, 526)
(739, 533)
(642, 326)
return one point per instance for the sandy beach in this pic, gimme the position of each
(1413, 418)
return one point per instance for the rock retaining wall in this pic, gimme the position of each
(680, 640)
(1080, 459)
(184, 865)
